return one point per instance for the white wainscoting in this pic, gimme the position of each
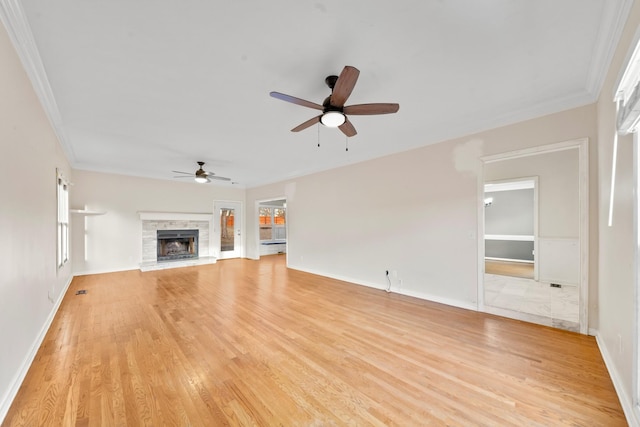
(559, 260)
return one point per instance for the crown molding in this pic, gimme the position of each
(611, 25)
(15, 21)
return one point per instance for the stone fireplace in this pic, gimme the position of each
(177, 244)
(181, 238)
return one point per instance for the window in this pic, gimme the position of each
(627, 98)
(273, 223)
(63, 221)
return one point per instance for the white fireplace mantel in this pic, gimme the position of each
(153, 221)
(174, 216)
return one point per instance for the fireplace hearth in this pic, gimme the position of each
(177, 244)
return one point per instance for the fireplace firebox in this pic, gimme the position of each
(177, 244)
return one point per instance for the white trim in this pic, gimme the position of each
(105, 271)
(635, 383)
(627, 59)
(605, 48)
(427, 297)
(16, 382)
(214, 236)
(174, 216)
(512, 237)
(532, 151)
(526, 261)
(85, 212)
(509, 185)
(612, 190)
(15, 21)
(625, 400)
(481, 209)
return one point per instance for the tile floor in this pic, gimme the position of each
(532, 301)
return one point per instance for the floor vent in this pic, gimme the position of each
(81, 292)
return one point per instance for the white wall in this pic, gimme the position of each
(617, 290)
(415, 213)
(113, 241)
(29, 156)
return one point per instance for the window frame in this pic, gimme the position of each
(275, 228)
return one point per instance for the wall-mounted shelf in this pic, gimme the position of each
(85, 212)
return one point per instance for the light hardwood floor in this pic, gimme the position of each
(246, 342)
(509, 268)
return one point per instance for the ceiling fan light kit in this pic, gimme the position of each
(333, 119)
(201, 179)
(201, 176)
(334, 112)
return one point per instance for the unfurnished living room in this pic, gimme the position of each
(320, 214)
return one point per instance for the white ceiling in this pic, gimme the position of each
(145, 87)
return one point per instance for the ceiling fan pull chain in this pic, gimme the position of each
(318, 135)
(346, 143)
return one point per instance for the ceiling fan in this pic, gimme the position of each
(201, 176)
(334, 112)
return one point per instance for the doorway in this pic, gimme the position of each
(272, 226)
(228, 229)
(510, 227)
(557, 295)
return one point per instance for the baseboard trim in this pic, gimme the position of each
(90, 272)
(7, 400)
(420, 295)
(625, 400)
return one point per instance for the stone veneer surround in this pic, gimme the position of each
(154, 221)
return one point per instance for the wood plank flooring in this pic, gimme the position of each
(509, 268)
(246, 342)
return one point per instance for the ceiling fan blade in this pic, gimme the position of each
(306, 124)
(296, 101)
(186, 173)
(369, 109)
(348, 129)
(344, 86)
(211, 175)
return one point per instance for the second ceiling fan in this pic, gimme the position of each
(334, 112)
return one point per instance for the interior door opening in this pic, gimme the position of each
(557, 293)
(511, 228)
(272, 226)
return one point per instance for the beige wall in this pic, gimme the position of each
(415, 213)
(30, 283)
(113, 241)
(617, 290)
(558, 189)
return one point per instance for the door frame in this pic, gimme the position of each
(238, 223)
(582, 145)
